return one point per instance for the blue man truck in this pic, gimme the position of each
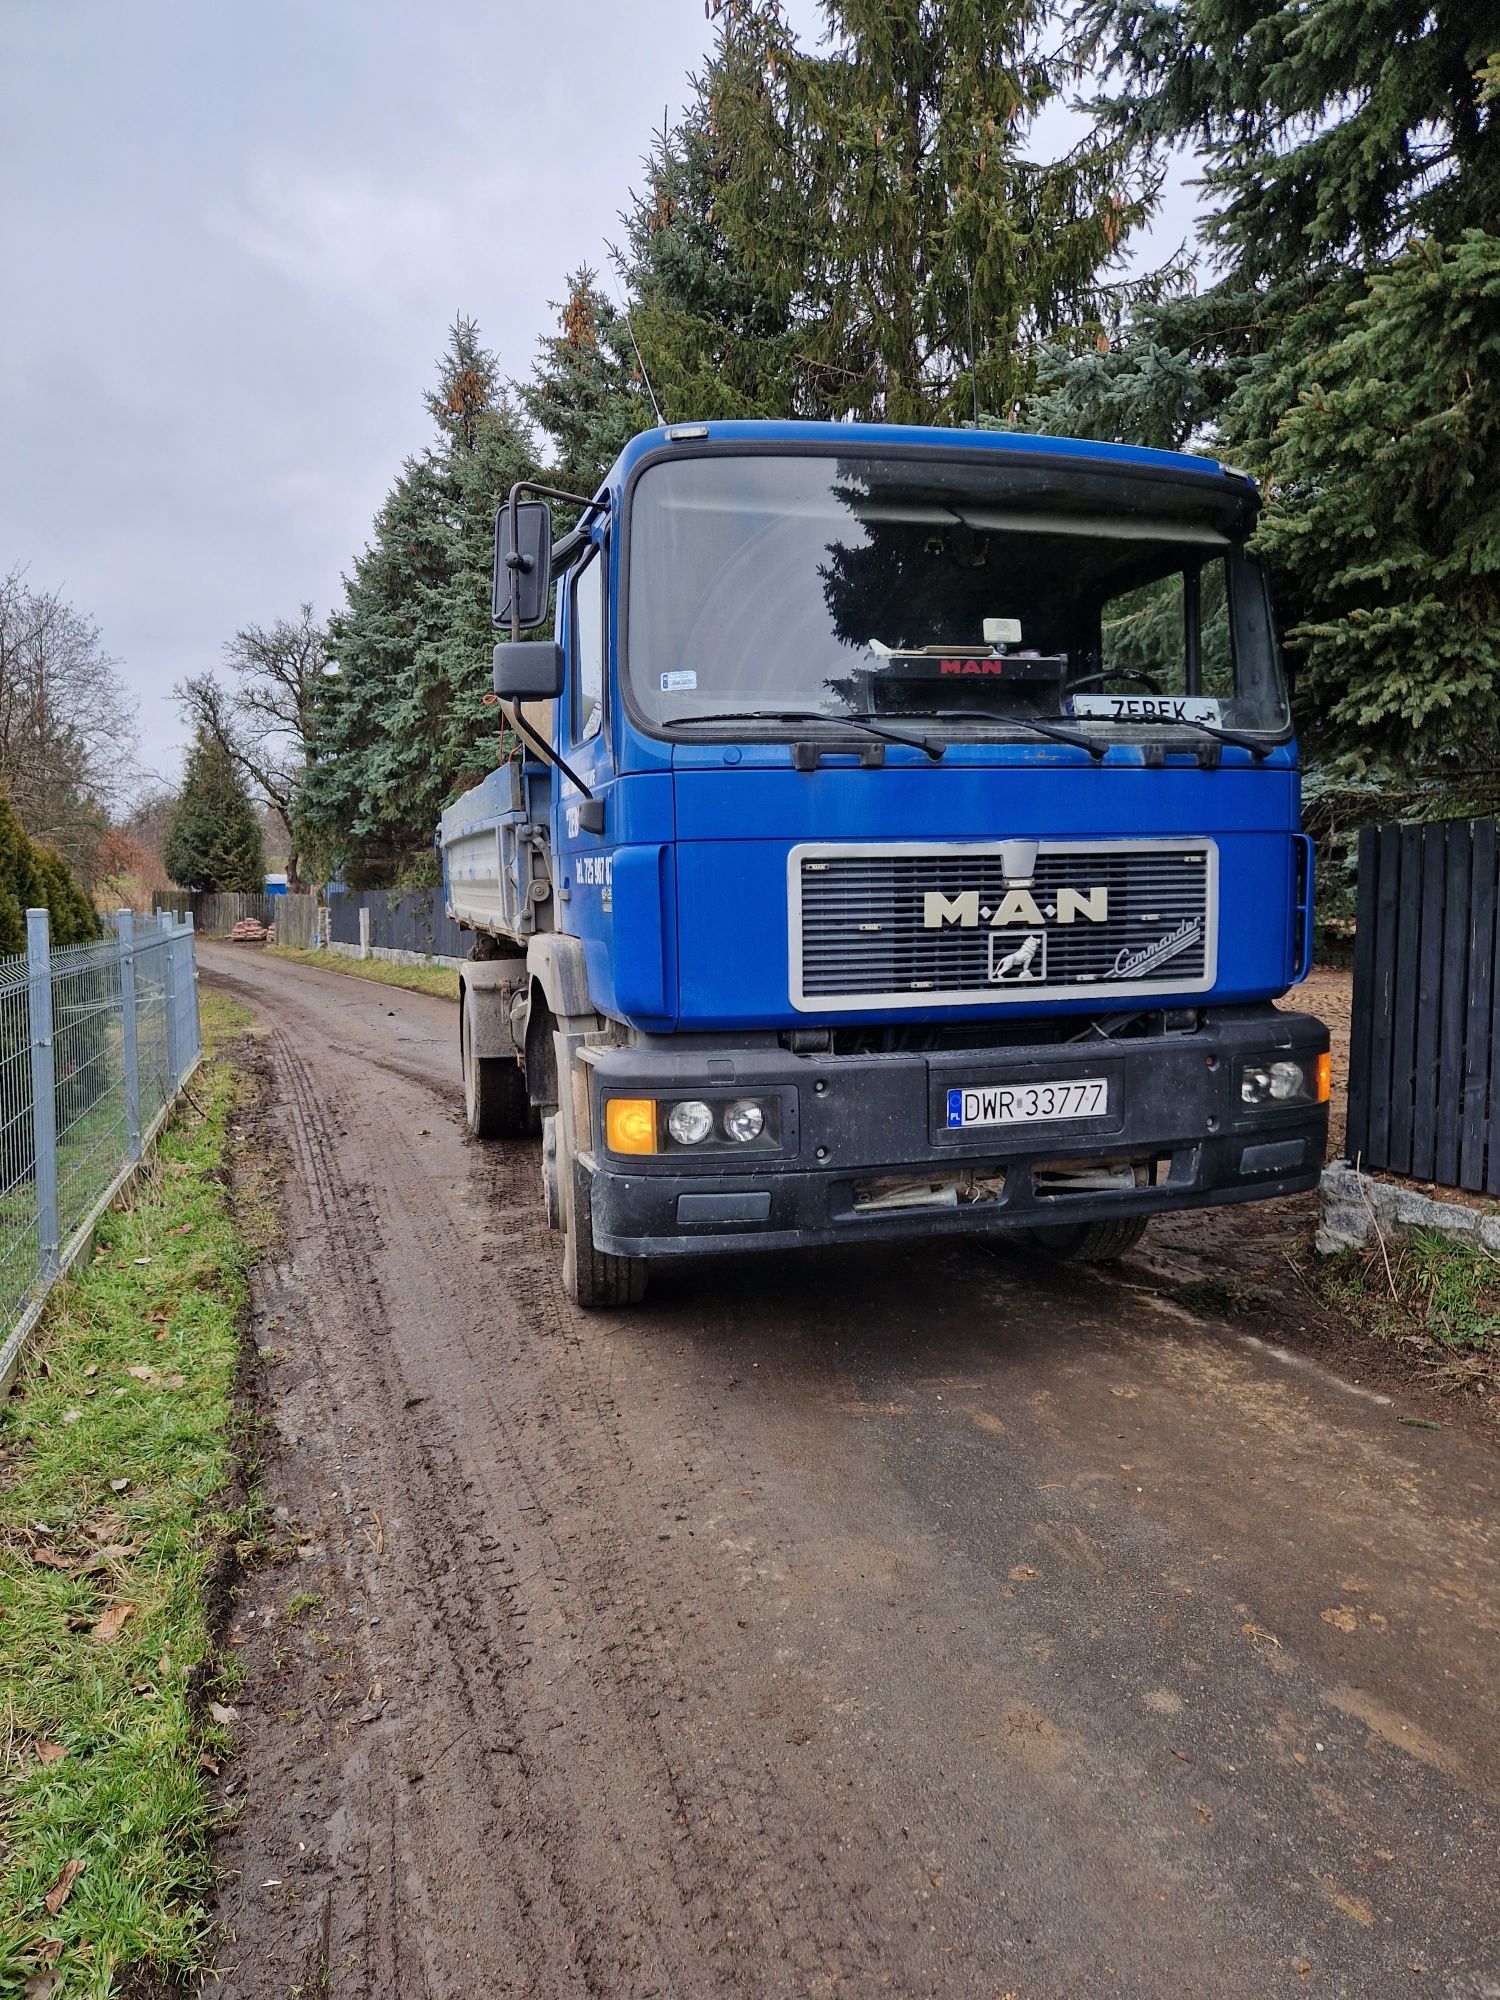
(904, 840)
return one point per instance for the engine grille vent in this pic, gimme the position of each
(880, 927)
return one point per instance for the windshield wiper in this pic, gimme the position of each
(1078, 740)
(1258, 750)
(924, 743)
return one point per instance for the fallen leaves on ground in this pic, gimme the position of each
(62, 1888)
(1341, 1615)
(48, 1752)
(112, 1624)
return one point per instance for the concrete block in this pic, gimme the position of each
(1352, 1204)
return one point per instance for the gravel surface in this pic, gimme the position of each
(914, 1621)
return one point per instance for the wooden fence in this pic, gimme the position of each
(1424, 1059)
(295, 917)
(414, 922)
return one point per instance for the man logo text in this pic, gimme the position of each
(1016, 906)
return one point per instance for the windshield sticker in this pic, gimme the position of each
(679, 682)
(1145, 708)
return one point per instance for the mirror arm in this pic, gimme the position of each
(544, 750)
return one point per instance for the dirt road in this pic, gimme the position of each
(916, 1621)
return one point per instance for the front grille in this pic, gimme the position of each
(861, 935)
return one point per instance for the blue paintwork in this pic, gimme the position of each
(901, 437)
(682, 907)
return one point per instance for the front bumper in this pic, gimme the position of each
(850, 1124)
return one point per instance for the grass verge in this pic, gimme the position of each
(1435, 1297)
(439, 979)
(117, 1507)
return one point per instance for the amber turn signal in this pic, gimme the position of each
(1325, 1077)
(630, 1124)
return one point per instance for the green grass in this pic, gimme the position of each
(439, 979)
(1435, 1296)
(123, 1481)
(1457, 1288)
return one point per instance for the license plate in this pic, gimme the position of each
(1028, 1103)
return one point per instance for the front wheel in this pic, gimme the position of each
(592, 1279)
(1090, 1242)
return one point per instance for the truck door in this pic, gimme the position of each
(583, 736)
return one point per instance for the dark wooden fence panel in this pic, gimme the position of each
(1424, 1059)
(414, 922)
(1482, 1030)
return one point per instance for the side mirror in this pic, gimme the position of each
(525, 571)
(529, 669)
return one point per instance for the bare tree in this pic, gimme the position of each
(130, 862)
(263, 718)
(67, 725)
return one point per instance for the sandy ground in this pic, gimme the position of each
(917, 1621)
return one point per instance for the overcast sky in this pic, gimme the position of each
(231, 240)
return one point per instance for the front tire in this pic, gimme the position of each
(1090, 1242)
(596, 1279)
(593, 1279)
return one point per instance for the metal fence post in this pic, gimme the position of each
(130, 1052)
(43, 1089)
(169, 1000)
(195, 1029)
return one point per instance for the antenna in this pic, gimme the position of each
(639, 359)
(973, 355)
(640, 363)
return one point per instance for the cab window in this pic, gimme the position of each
(590, 632)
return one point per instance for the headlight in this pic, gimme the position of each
(744, 1120)
(712, 1126)
(690, 1122)
(1285, 1080)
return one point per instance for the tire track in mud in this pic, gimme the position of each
(612, 1636)
(565, 1634)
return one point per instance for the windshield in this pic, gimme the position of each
(887, 586)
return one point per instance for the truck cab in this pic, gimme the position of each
(904, 839)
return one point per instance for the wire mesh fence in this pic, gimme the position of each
(95, 1042)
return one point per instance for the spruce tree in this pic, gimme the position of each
(403, 726)
(1384, 519)
(36, 877)
(880, 193)
(352, 810)
(74, 919)
(1345, 350)
(585, 391)
(716, 339)
(213, 840)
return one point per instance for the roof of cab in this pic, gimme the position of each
(898, 437)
